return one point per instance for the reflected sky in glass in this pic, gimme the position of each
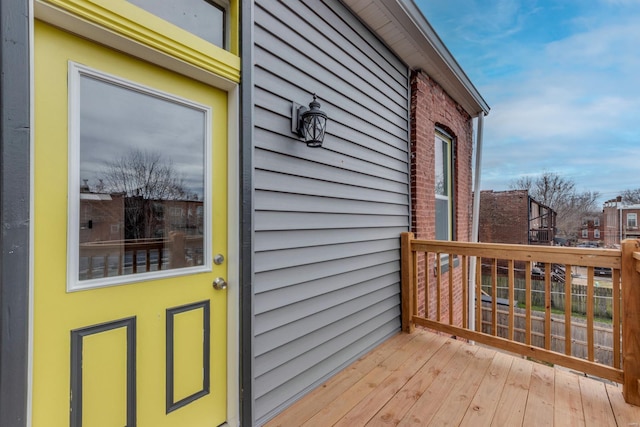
(199, 17)
(115, 120)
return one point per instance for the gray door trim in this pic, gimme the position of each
(247, 402)
(14, 210)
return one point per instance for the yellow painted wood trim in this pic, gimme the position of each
(134, 23)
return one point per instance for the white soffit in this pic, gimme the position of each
(403, 27)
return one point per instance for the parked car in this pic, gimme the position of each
(602, 271)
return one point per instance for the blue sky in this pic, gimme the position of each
(562, 79)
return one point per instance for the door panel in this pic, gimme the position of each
(128, 329)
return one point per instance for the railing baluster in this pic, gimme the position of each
(547, 306)
(135, 261)
(451, 270)
(478, 301)
(416, 285)
(615, 283)
(438, 286)
(427, 284)
(512, 298)
(590, 285)
(147, 259)
(105, 268)
(567, 308)
(465, 282)
(90, 272)
(527, 328)
(494, 297)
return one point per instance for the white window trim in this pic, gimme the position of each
(76, 71)
(444, 136)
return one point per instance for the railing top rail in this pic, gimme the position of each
(593, 257)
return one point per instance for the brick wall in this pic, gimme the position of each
(431, 107)
(504, 217)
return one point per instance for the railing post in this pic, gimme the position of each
(407, 286)
(630, 322)
(177, 244)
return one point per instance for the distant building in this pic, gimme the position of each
(592, 230)
(515, 217)
(620, 221)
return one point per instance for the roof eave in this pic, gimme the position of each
(403, 27)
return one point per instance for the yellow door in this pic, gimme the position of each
(130, 235)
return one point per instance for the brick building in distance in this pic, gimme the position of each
(515, 217)
(620, 222)
(592, 230)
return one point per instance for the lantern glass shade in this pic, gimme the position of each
(313, 124)
(313, 127)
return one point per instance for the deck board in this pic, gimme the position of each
(539, 410)
(426, 379)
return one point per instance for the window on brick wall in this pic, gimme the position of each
(585, 234)
(444, 187)
(632, 220)
(596, 234)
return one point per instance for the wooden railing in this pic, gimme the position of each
(436, 280)
(117, 257)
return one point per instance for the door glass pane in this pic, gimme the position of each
(141, 181)
(202, 18)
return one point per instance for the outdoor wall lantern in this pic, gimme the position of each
(309, 123)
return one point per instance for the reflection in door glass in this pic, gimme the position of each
(142, 178)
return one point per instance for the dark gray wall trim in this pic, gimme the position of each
(14, 210)
(247, 402)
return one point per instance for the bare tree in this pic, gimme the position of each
(143, 174)
(631, 197)
(560, 194)
(145, 179)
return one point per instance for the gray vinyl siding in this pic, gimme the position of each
(326, 221)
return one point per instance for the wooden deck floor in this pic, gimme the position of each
(424, 379)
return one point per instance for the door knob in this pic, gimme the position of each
(219, 284)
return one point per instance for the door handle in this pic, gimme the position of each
(219, 284)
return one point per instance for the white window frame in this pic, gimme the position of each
(76, 72)
(632, 217)
(440, 137)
